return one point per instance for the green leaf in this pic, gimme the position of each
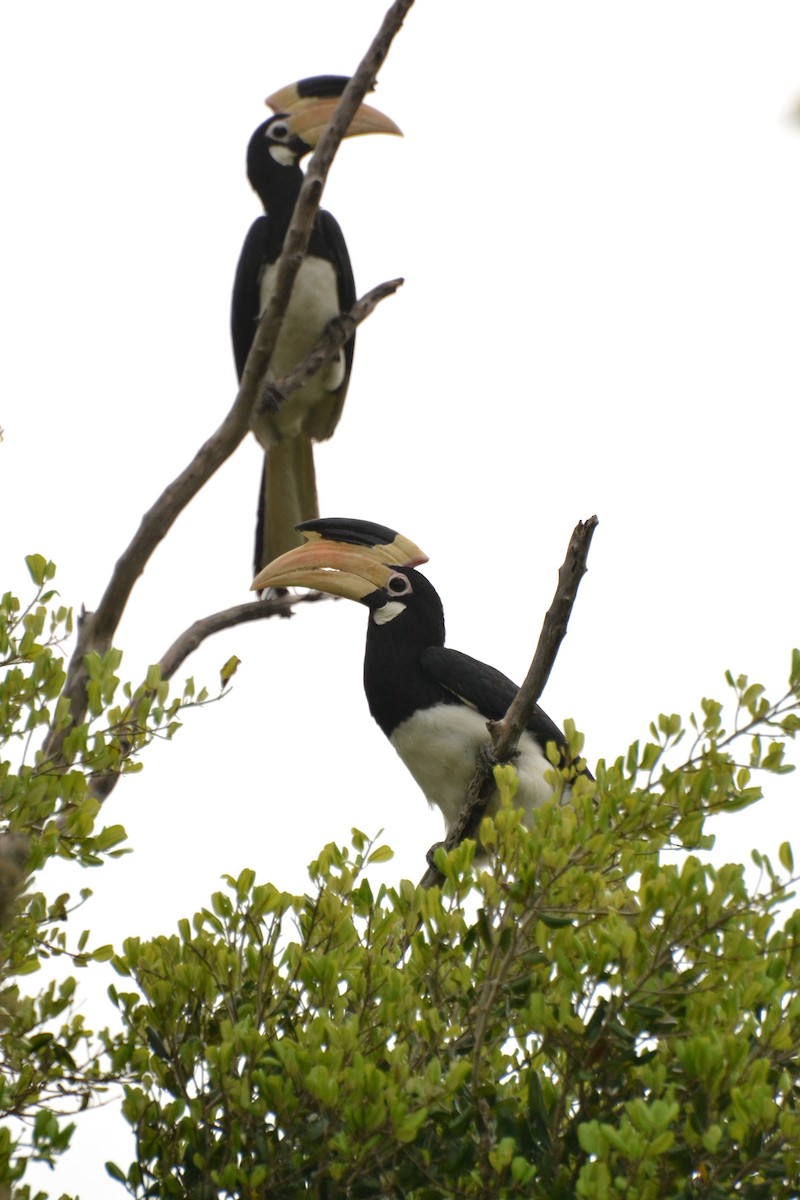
(381, 854)
(110, 836)
(153, 677)
(230, 668)
(650, 756)
(590, 1138)
(244, 884)
(712, 1138)
(554, 922)
(37, 567)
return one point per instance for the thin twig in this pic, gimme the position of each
(505, 734)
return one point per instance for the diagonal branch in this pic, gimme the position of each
(336, 334)
(505, 734)
(97, 629)
(332, 339)
(239, 614)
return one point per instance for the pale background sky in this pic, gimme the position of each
(595, 208)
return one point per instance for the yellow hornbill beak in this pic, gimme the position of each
(343, 557)
(309, 105)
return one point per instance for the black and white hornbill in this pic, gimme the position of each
(323, 289)
(431, 702)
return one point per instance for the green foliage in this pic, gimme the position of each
(50, 768)
(586, 1015)
(592, 1012)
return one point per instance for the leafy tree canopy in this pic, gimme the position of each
(592, 1010)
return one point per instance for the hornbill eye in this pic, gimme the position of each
(279, 132)
(398, 585)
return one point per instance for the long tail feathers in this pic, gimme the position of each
(288, 495)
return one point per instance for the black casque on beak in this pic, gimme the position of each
(305, 91)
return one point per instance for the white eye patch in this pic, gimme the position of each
(387, 612)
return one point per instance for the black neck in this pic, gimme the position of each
(395, 681)
(277, 186)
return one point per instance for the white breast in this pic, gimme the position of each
(439, 745)
(314, 301)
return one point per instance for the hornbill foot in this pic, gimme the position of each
(279, 593)
(344, 324)
(487, 760)
(270, 400)
(431, 852)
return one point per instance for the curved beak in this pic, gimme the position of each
(310, 103)
(328, 562)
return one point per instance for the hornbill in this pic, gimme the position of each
(323, 289)
(431, 702)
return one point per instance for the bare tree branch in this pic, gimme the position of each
(334, 336)
(96, 629)
(505, 734)
(256, 610)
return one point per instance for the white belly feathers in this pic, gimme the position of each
(314, 301)
(432, 743)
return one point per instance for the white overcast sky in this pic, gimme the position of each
(595, 208)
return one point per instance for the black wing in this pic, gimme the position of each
(245, 307)
(484, 688)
